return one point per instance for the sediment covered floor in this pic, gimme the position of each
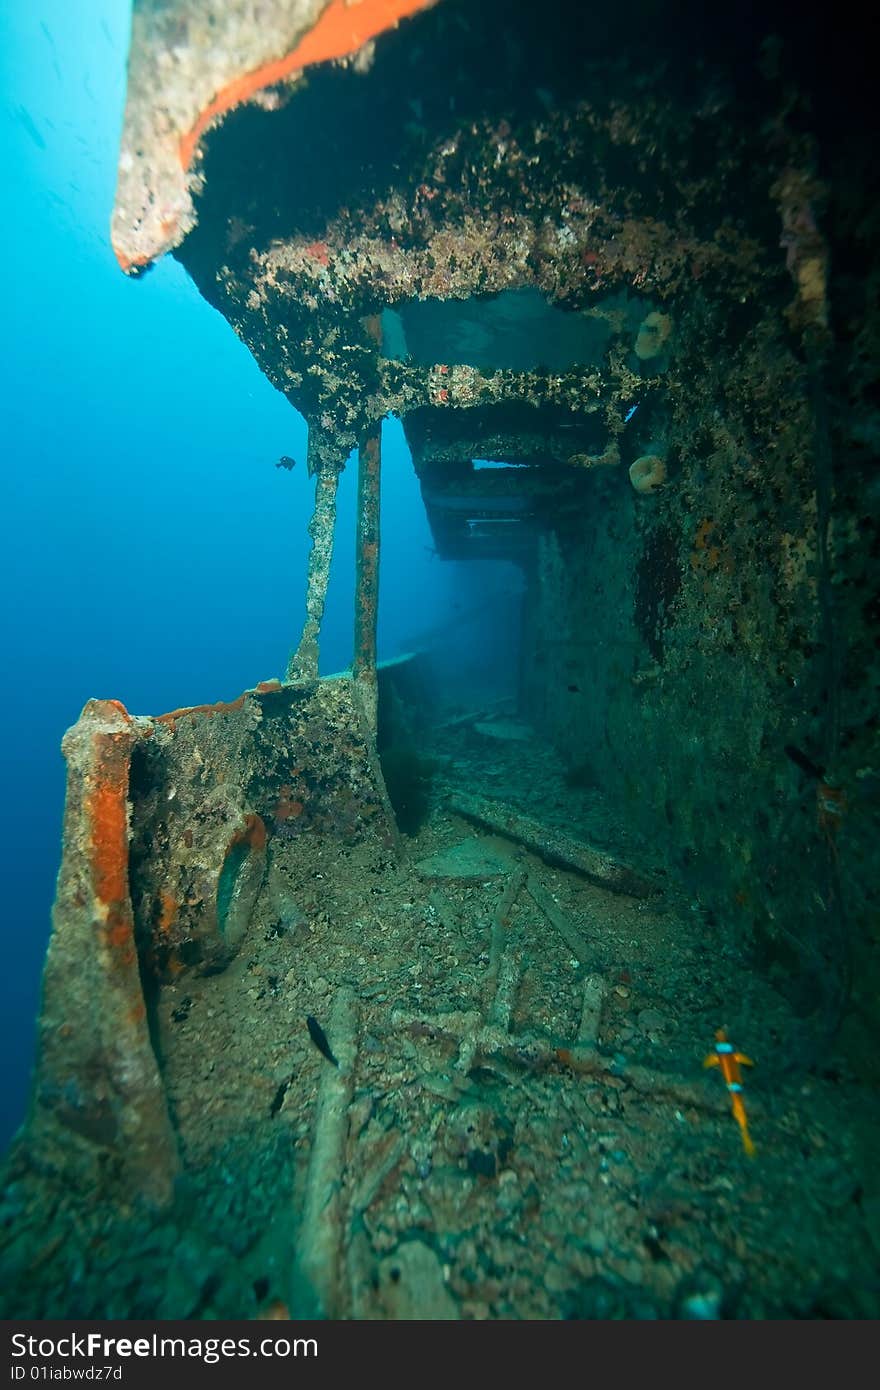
(527, 1133)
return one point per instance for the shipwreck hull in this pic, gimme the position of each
(174, 826)
(283, 1065)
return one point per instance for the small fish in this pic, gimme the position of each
(729, 1060)
(319, 1038)
(279, 1097)
(630, 413)
(286, 461)
(574, 689)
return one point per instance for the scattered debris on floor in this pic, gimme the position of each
(510, 1119)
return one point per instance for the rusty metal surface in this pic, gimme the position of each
(218, 788)
(192, 60)
(174, 827)
(97, 1086)
(419, 181)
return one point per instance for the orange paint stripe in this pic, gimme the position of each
(107, 813)
(343, 28)
(220, 707)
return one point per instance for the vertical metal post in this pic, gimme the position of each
(303, 663)
(367, 572)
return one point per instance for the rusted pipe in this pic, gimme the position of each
(303, 663)
(366, 603)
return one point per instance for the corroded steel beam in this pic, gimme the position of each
(553, 845)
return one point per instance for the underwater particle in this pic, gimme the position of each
(652, 336)
(648, 473)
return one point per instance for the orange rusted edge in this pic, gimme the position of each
(106, 808)
(220, 707)
(342, 29)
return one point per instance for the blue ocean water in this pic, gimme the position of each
(152, 552)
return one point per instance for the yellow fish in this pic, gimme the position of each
(729, 1060)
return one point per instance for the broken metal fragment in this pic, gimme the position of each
(553, 845)
(316, 1290)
